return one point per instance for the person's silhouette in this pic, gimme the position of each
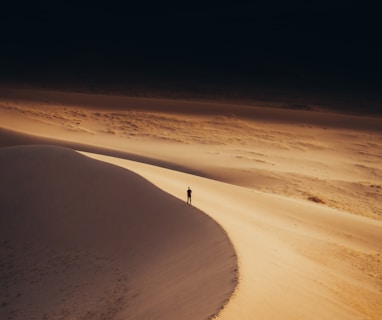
(189, 191)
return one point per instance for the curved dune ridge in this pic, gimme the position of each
(82, 239)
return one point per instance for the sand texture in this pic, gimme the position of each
(297, 192)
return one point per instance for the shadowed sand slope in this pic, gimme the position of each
(81, 239)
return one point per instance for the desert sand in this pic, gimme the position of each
(86, 240)
(298, 193)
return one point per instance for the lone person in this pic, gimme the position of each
(189, 191)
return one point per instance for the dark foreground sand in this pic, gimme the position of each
(81, 239)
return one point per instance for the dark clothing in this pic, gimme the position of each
(189, 191)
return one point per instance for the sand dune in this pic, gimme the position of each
(297, 260)
(298, 192)
(86, 240)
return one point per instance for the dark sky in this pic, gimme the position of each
(324, 43)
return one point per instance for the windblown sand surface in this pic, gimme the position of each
(298, 192)
(331, 158)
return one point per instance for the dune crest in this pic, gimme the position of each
(87, 240)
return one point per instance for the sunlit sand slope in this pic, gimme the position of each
(297, 259)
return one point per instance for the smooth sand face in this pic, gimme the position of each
(299, 256)
(86, 240)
